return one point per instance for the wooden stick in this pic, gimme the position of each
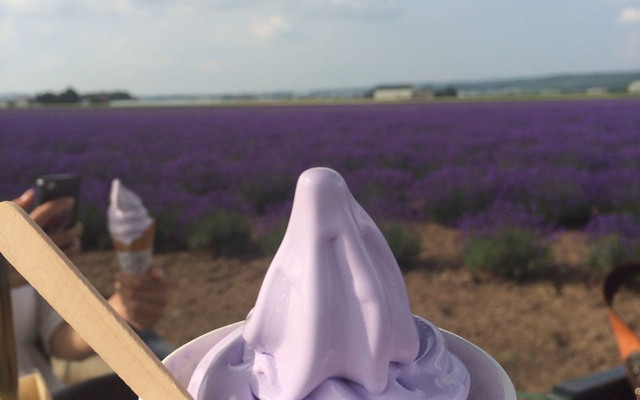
(59, 282)
(8, 357)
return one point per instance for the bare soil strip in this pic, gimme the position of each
(543, 332)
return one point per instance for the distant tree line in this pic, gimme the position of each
(447, 91)
(70, 96)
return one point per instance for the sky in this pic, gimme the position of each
(247, 46)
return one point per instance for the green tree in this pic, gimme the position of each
(47, 98)
(448, 91)
(69, 96)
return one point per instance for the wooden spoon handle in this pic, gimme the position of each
(59, 282)
(8, 357)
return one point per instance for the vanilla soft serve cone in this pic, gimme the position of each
(131, 228)
(333, 321)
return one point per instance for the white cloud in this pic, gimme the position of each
(630, 15)
(126, 58)
(630, 49)
(7, 32)
(348, 3)
(123, 6)
(26, 6)
(269, 28)
(49, 62)
(118, 7)
(353, 9)
(63, 7)
(208, 65)
(363, 4)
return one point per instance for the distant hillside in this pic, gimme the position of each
(566, 83)
(592, 83)
(613, 82)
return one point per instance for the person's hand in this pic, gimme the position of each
(140, 299)
(68, 240)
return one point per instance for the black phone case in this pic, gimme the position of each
(51, 187)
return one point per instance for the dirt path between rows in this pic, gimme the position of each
(543, 332)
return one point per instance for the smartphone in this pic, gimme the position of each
(51, 187)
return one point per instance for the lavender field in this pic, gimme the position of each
(562, 164)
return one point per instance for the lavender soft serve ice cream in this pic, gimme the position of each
(131, 228)
(332, 319)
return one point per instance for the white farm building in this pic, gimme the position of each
(634, 87)
(393, 93)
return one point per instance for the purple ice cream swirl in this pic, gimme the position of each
(332, 320)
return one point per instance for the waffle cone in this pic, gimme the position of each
(144, 242)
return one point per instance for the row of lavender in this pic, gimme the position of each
(561, 163)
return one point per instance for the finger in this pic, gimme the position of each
(152, 280)
(157, 270)
(67, 237)
(132, 280)
(44, 213)
(148, 297)
(153, 297)
(145, 312)
(135, 287)
(26, 199)
(143, 315)
(139, 315)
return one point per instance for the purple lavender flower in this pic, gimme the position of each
(561, 161)
(503, 215)
(625, 226)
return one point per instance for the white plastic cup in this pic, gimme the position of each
(489, 381)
